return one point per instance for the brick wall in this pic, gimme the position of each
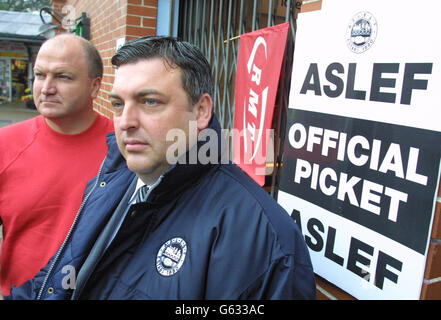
(111, 20)
(432, 276)
(58, 5)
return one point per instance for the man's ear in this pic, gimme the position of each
(204, 111)
(95, 87)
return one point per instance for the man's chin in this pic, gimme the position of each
(139, 168)
(49, 112)
(147, 172)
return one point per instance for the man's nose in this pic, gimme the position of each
(48, 87)
(129, 117)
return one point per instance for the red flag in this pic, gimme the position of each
(258, 70)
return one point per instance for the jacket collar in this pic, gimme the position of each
(114, 160)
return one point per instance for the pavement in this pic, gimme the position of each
(14, 112)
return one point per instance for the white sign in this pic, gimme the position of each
(363, 143)
(120, 42)
(399, 39)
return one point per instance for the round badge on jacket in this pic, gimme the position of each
(171, 256)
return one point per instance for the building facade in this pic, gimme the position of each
(21, 34)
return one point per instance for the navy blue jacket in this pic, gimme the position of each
(206, 231)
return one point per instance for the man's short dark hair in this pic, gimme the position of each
(196, 71)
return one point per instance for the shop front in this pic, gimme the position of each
(13, 70)
(21, 35)
(16, 62)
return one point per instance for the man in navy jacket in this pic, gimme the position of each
(175, 220)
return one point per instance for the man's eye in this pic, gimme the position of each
(116, 104)
(39, 75)
(64, 77)
(150, 102)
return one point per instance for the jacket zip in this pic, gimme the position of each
(46, 279)
(78, 290)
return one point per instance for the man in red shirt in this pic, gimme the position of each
(45, 162)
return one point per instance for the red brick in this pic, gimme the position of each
(97, 107)
(129, 37)
(137, 2)
(133, 20)
(149, 22)
(107, 111)
(311, 6)
(141, 11)
(139, 31)
(330, 289)
(436, 228)
(433, 263)
(58, 5)
(431, 290)
(322, 296)
(152, 3)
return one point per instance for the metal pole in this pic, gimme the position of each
(270, 13)
(254, 15)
